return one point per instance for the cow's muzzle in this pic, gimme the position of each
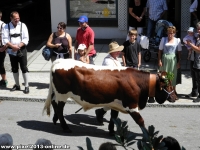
(171, 96)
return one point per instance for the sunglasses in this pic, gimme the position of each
(59, 28)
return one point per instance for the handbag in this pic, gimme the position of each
(47, 53)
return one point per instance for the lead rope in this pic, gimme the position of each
(169, 93)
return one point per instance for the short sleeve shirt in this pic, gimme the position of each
(169, 48)
(110, 61)
(86, 37)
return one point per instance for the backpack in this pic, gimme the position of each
(47, 53)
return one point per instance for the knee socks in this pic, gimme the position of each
(25, 76)
(16, 78)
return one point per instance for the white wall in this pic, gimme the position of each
(58, 13)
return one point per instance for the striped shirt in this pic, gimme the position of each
(156, 8)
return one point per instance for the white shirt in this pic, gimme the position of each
(1, 29)
(15, 30)
(110, 61)
(194, 6)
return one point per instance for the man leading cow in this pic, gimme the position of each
(112, 61)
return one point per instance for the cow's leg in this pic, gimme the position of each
(55, 117)
(59, 111)
(54, 104)
(138, 118)
(114, 115)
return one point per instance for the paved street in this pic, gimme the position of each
(24, 121)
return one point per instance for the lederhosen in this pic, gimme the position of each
(2, 54)
(16, 59)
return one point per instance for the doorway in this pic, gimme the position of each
(35, 14)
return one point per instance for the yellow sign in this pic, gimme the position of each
(106, 12)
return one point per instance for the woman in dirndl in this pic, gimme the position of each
(169, 55)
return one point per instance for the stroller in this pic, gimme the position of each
(154, 42)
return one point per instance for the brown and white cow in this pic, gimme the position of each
(121, 88)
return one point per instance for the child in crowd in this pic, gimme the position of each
(81, 54)
(190, 37)
(131, 54)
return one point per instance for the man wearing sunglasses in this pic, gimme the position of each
(85, 35)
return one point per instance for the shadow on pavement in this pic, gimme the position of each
(81, 125)
(39, 85)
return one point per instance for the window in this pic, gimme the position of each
(97, 11)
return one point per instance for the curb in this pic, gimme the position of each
(70, 101)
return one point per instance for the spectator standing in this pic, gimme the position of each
(112, 61)
(195, 10)
(168, 48)
(196, 65)
(192, 38)
(85, 35)
(60, 42)
(3, 82)
(81, 54)
(131, 54)
(15, 36)
(137, 9)
(156, 10)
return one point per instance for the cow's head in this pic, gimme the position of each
(164, 89)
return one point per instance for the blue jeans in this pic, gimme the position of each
(150, 27)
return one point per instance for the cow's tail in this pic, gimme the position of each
(47, 104)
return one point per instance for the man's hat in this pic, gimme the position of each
(114, 47)
(83, 19)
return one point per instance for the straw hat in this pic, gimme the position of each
(114, 47)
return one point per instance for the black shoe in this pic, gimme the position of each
(26, 90)
(192, 94)
(99, 115)
(15, 87)
(197, 100)
(151, 100)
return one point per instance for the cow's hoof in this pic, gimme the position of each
(67, 131)
(99, 115)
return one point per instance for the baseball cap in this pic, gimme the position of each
(81, 47)
(83, 19)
